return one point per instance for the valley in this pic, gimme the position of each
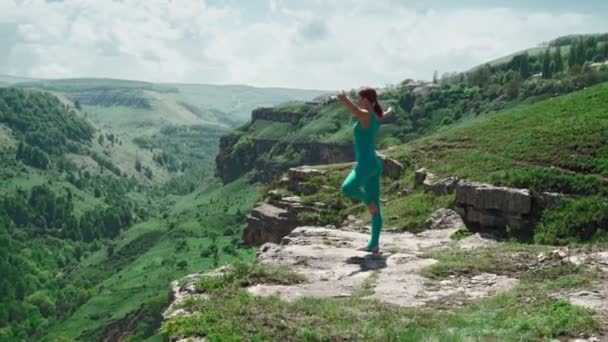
(112, 190)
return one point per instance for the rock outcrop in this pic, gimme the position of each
(268, 223)
(271, 114)
(489, 206)
(391, 168)
(429, 182)
(333, 268)
(236, 157)
(272, 220)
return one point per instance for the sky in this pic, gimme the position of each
(312, 44)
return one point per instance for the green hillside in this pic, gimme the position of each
(566, 135)
(426, 108)
(558, 145)
(81, 237)
(195, 232)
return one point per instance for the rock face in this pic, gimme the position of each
(236, 157)
(489, 206)
(390, 167)
(443, 218)
(429, 182)
(272, 220)
(269, 223)
(271, 114)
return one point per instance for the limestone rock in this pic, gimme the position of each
(334, 268)
(440, 187)
(490, 197)
(303, 173)
(429, 182)
(268, 223)
(391, 168)
(489, 206)
(444, 219)
(420, 176)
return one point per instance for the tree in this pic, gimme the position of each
(547, 64)
(77, 105)
(182, 265)
(100, 139)
(110, 250)
(605, 50)
(137, 165)
(480, 77)
(581, 52)
(407, 102)
(435, 77)
(524, 66)
(572, 55)
(591, 49)
(558, 61)
(461, 78)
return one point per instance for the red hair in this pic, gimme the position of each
(372, 96)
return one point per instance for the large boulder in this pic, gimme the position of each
(272, 220)
(489, 206)
(298, 177)
(268, 223)
(391, 168)
(419, 176)
(303, 173)
(431, 183)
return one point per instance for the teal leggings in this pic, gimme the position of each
(370, 181)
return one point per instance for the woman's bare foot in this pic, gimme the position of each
(373, 209)
(374, 250)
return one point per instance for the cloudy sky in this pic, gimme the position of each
(288, 43)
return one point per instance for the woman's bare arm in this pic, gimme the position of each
(354, 109)
(386, 113)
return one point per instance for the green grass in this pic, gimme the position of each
(503, 259)
(247, 274)
(233, 314)
(582, 219)
(264, 129)
(568, 132)
(410, 212)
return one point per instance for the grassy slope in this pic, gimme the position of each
(141, 271)
(569, 132)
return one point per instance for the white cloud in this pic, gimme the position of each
(322, 44)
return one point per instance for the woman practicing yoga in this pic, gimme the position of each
(368, 170)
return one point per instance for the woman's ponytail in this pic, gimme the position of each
(371, 95)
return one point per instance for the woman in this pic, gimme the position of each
(368, 170)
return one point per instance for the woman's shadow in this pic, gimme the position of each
(369, 262)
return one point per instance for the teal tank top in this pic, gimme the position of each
(365, 143)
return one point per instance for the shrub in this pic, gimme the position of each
(577, 220)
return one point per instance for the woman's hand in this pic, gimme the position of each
(387, 112)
